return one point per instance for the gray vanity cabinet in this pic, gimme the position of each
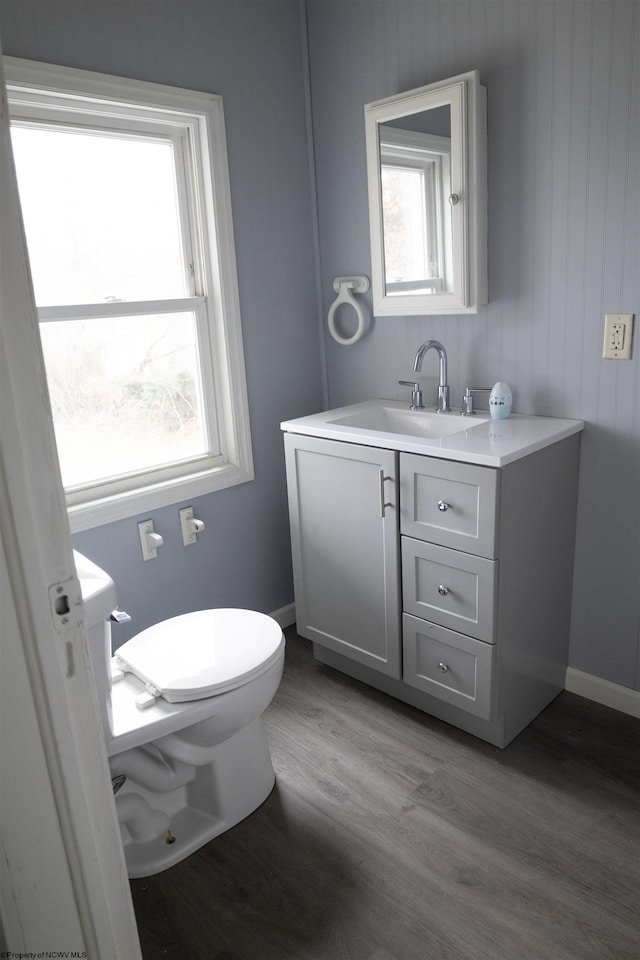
(484, 572)
(344, 533)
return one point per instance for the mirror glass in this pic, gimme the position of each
(415, 185)
(426, 169)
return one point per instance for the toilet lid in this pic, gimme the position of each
(201, 654)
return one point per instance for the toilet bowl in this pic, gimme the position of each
(181, 706)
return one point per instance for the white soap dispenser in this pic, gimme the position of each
(500, 401)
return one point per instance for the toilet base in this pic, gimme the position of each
(211, 800)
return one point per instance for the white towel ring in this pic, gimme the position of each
(345, 287)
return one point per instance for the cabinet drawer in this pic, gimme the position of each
(450, 503)
(448, 665)
(456, 590)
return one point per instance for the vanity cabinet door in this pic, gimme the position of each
(449, 666)
(449, 503)
(343, 512)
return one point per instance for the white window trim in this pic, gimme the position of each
(116, 96)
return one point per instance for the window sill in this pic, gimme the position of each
(121, 506)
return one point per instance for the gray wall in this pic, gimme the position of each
(563, 91)
(249, 52)
(564, 194)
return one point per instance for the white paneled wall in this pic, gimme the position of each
(563, 80)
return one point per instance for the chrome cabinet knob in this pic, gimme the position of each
(443, 505)
(443, 667)
(442, 590)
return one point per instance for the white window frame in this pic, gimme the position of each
(44, 91)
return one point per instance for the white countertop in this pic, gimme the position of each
(491, 443)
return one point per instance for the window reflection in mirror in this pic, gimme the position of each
(415, 168)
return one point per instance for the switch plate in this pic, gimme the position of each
(149, 540)
(190, 526)
(618, 333)
(188, 533)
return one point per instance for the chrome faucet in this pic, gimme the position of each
(443, 387)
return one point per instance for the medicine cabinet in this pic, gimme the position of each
(426, 168)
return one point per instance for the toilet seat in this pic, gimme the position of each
(201, 654)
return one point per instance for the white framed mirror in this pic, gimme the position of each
(426, 168)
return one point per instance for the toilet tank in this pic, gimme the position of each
(98, 591)
(99, 599)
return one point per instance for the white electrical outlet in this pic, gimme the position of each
(618, 333)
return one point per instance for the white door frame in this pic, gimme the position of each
(63, 880)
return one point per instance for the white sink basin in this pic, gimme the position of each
(412, 423)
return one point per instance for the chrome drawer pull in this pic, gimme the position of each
(442, 590)
(443, 506)
(443, 667)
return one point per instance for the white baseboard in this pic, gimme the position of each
(285, 616)
(603, 691)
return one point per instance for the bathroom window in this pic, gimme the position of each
(125, 197)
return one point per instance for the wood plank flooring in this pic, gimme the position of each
(392, 836)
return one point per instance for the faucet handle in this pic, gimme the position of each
(467, 400)
(416, 394)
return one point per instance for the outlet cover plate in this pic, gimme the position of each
(618, 334)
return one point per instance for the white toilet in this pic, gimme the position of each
(181, 706)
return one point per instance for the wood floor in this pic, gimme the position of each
(392, 836)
